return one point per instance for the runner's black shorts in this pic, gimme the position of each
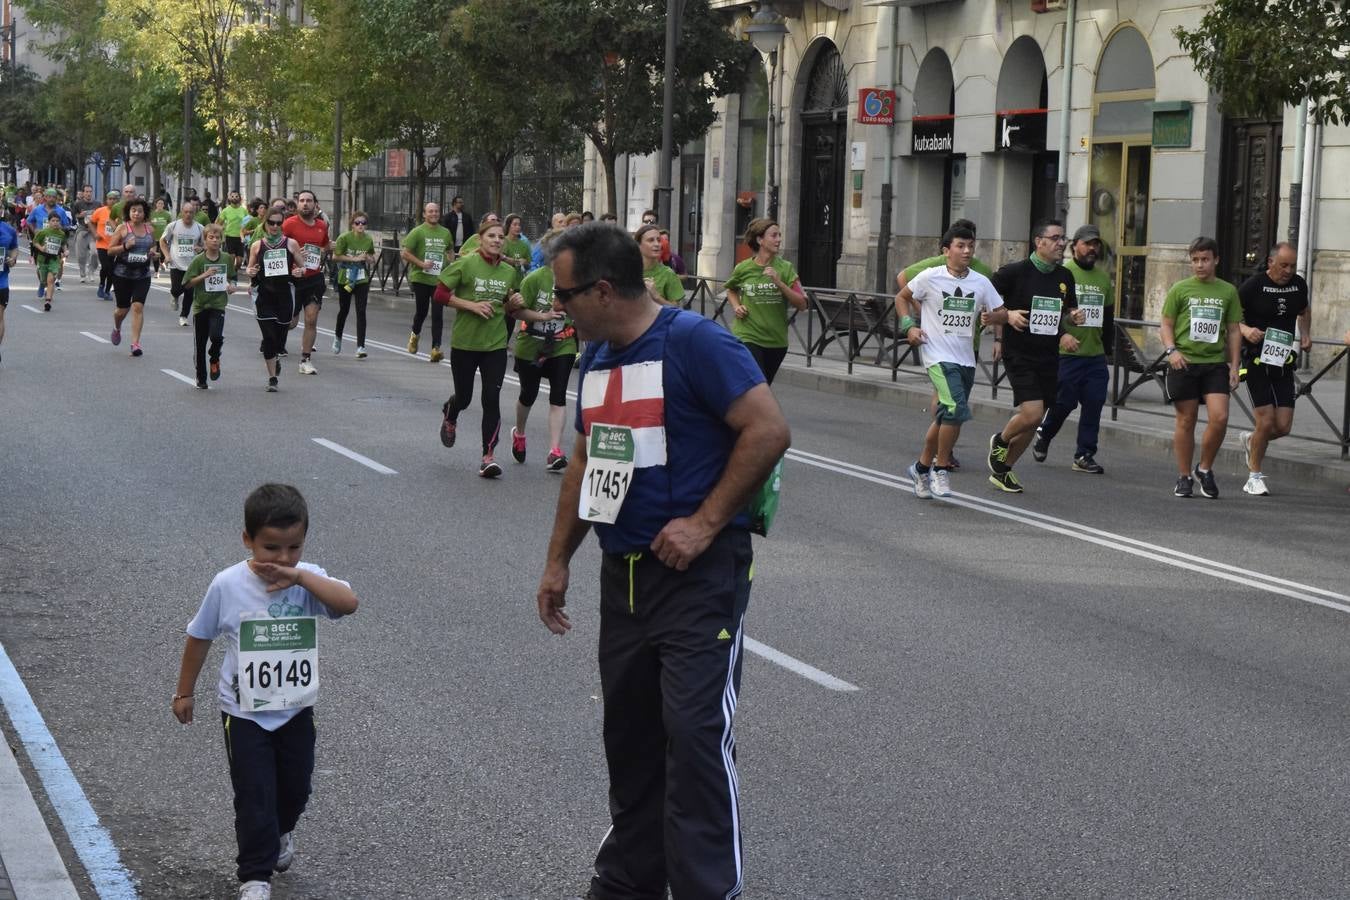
(127, 291)
(1032, 378)
(1196, 381)
(234, 246)
(4, 296)
(309, 290)
(1271, 385)
(274, 302)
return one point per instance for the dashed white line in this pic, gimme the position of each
(94, 337)
(792, 664)
(353, 455)
(180, 376)
(33, 309)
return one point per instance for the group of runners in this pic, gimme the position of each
(1051, 326)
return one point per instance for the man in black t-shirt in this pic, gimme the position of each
(1272, 301)
(1044, 290)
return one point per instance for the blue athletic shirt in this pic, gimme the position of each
(673, 387)
(9, 240)
(38, 217)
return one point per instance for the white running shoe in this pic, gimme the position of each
(941, 482)
(920, 480)
(307, 368)
(337, 345)
(1256, 485)
(361, 352)
(287, 854)
(255, 890)
(182, 321)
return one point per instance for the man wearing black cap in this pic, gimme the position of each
(1082, 369)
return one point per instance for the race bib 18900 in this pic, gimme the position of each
(1277, 347)
(958, 315)
(1045, 315)
(278, 663)
(609, 473)
(1205, 321)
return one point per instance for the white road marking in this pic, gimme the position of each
(791, 663)
(33, 309)
(180, 376)
(90, 840)
(1102, 538)
(353, 455)
(94, 337)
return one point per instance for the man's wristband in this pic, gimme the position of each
(906, 323)
(1168, 351)
(177, 697)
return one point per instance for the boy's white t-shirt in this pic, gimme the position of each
(236, 591)
(951, 344)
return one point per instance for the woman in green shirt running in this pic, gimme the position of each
(759, 291)
(160, 217)
(662, 282)
(354, 252)
(516, 250)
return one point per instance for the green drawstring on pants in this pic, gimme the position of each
(632, 561)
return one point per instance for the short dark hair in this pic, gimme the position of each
(276, 506)
(1201, 244)
(1043, 225)
(299, 194)
(967, 224)
(139, 201)
(957, 231)
(602, 251)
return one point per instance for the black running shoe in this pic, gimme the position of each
(1185, 487)
(1040, 449)
(489, 468)
(998, 455)
(1086, 463)
(1207, 486)
(1006, 481)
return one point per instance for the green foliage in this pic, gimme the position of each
(1261, 54)
(27, 136)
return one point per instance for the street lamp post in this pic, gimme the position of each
(664, 188)
(767, 31)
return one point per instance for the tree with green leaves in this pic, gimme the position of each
(1259, 55)
(605, 61)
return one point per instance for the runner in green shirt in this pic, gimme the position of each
(354, 252)
(759, 291)
(1083, 375)
(471, 242)
(662, 282)
(210, 276)
(516, 250)
(427, 250)
(49, 246)
(546, 347)
(482, 290)
(232, 216)
(1200, 327)
(160, 217)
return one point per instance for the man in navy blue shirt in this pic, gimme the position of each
(676, 432)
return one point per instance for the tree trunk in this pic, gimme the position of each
(610, 158)
(498, 174)
(155, 182)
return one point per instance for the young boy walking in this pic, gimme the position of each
(49, 246)
(267, 608)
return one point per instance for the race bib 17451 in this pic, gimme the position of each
(609, 473)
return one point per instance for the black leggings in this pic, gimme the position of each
(492, 363)
(422, 294)
(361, 292)
(105, 267)
(208, 323)
(178, 292)
(768, 359)
(557, 369)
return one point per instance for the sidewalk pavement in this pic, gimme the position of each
(30, 865)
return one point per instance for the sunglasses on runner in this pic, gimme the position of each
(359, 222)
(565, 295)
(274, 222)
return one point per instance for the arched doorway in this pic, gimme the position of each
(824, 124)
(1021, 108)
(1122, 162)
(932, 142)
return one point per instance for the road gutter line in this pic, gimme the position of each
(34, 309)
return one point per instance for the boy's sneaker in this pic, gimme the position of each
(921, 481)
(1207, 486)
(517, 446)
(998, 454)
(182, 321)
(435, 355)
(272, 385)
(307, 368)
(1185, 487)
(556, 462)
(412, 343)
(115, 337)
(489, 468)
(47, 307)
(940, 482)
(201, 385)
(255, 890)
(1006, 481)
(1040, 449)
(337, 345)
(448, 423)
(1086, 463)
(1256, 485)
(360, 352)
(287, 852)
(135, 349)
(215, 370)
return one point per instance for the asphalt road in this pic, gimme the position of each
(1091, 690)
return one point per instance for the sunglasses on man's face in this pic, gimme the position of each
(359, 222)
(565, 295)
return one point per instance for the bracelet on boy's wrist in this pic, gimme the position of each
(177, 697)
